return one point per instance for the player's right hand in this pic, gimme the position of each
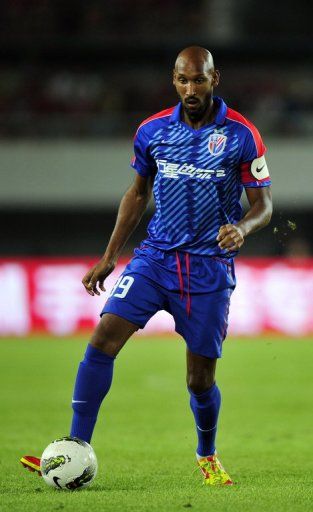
(96, 276)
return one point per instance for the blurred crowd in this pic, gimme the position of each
(97, 68)
(22, 18)
(35, 101)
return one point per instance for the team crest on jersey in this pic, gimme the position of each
(217, 143)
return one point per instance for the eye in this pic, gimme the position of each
(199, 80)
(182, 80)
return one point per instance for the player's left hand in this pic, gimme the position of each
(230, 237)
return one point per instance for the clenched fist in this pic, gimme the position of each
(230, 237)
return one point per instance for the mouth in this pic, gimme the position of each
(192, 103)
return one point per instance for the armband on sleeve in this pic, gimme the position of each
(255, 173)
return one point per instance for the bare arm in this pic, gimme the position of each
(232, 236)
(131, 209)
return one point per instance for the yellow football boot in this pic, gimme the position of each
(31, 463)
(213, 471)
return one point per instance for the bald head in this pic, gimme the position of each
(194, 78)
(196, 57)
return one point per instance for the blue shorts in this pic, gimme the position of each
(195, 290)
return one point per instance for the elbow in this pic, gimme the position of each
(142, 197)
(142, 200)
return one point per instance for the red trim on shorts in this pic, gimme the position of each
(181, 280)
(180, 277)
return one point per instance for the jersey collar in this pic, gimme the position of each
(219, 118)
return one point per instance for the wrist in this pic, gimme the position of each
(110, 258)
(242, 229)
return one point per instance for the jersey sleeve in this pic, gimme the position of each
(253, 167)
(142, 160)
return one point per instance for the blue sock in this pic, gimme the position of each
(205, 408)
(93, 382)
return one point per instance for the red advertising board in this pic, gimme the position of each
(46, 295)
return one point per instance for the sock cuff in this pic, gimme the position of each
(206, 394)
(198, 457)
(97, 356)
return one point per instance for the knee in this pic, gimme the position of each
(104, 338)
(198, 384)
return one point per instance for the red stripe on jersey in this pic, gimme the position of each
(164, 113)
(235, 116)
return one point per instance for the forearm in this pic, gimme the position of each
(232, 236)
(131, 209)
(257, 217)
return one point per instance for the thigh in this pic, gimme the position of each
(135, 298)
(205, 328)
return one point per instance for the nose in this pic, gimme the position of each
(190, 89)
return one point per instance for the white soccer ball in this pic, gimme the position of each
(69, 463)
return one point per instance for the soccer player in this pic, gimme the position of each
(196, 157)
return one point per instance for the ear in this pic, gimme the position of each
(216, 78)
(174, 76)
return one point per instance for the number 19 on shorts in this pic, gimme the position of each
(121, 287)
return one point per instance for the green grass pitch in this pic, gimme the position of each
(145, 437)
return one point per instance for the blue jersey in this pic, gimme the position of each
(199, 176)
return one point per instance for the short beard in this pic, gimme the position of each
(197, 115)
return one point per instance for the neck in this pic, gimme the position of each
(206, 118)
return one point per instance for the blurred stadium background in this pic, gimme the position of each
(76, 79)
